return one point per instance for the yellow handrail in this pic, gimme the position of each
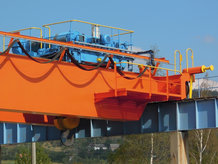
(127, 31)
(124, 33)
(49, 34)
(3, 43)
(180, 60)
(192, 78)
(148, 66)
(37, 28)
(192, 57)
(88, 23)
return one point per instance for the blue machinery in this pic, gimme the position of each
(158, 117)
(109, 41)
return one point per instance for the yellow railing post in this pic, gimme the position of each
(191, 86)
(180, 61)
(49, 34)
(115, 75)
(37, 28)
(192, 57)
(192, 78)
(149, 66)
(3, 43)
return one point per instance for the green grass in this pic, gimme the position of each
(13, 162)
(8, 162)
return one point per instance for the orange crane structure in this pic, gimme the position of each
(52, 91)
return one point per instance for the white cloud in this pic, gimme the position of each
(209, 39)
(206, 39)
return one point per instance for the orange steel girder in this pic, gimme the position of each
(26, 118)
(62, 89)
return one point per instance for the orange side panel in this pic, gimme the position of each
(62, 89)
(59, 90)
(26, 118)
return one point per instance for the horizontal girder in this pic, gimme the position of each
(168, 116)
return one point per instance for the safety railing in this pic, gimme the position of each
(3, 42)
(208, 85)
(167, 82)
(124, 31)
(30, 28)
(180, 61)
(149, 66)
(49, 34)
(192, 57)
(99, 25)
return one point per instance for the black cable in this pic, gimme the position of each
(56, 55)
(144, 52)
(123, 75)
(9, 47)
(74, 61)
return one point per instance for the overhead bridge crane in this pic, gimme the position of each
(61, 79)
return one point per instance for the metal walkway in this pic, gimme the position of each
(158, 117)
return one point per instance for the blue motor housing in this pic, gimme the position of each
(82, 56)
(105, 39)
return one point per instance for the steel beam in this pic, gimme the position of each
(11, 133)
(157, 117)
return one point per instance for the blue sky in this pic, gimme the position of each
(168, 24)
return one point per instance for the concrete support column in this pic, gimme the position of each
(179, 148)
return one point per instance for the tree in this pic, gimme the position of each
(203, 143)
(23, 156)
(203, 146)
(138, 149)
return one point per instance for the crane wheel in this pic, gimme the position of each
(66, 123)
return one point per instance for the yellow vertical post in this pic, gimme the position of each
(192, 78)
(150, 82)
(49, 34)
(191, 86)
(167, 87)
(40, 36)
(192, 57)
(3, 43)
(180, 61)
(115, 75)
(29, 29)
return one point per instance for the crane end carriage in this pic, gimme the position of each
(71, 76)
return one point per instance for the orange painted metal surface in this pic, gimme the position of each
(62, 89)
(196, 70)
(26, 118)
